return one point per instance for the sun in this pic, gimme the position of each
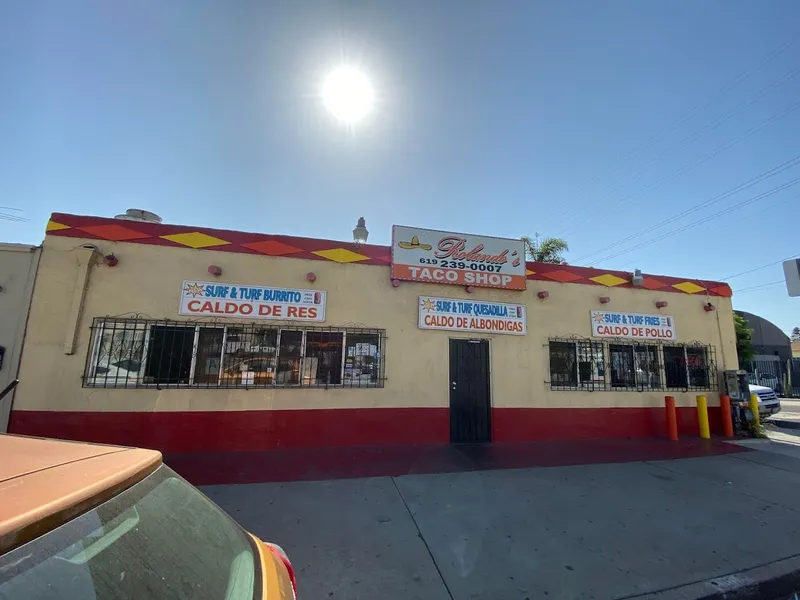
(348, 94)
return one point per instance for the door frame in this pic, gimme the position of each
(489, 374)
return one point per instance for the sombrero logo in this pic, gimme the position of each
(414, 244)
(457, 259)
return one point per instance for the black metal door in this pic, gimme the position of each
(469, 391)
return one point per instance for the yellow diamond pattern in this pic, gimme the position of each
(195, 239)
(608, 280)
(53, 226)
(689, 287)
(341, 255)
(529, 272)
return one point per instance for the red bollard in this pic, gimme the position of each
(672, 418)
(727, 417)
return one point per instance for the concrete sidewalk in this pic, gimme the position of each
(687, 528)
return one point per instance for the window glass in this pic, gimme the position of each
(675, 367)
(697, 365)
(648, 373)
(622, 365)
(290, 355)
(159, 539)
(250, 356)
(591, 363)
(117, 356)
(362, 359)
(133, 353)
(169, 355)
(209, 355)
(323, 360)
(563, 364)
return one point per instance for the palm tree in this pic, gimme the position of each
(548, 250)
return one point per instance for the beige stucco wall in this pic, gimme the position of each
(148, 281)
(17, 275)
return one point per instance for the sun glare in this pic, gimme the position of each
(348, 94)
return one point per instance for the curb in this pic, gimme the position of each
(774, 581)
(784, 423)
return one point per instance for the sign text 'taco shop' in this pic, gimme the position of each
(207, 299)
(456, 258)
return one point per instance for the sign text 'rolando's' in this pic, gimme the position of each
(468, 315)
(632, 325)
(206, 299)
(457, 258)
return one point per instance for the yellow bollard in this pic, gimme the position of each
(754, 410)
(702, 417)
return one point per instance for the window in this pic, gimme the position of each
(647, 364)
(577, 365)
(209, 355)
(562, 364)
(169, 359)
(675, 367)
(362, 359)
(131, 353)
(697, 364)
(606, 365)
(591, 364)
(249, 358)
(289, 357)
(116, 360)
(323, 357)
(690, 367)
(622, 372)
(635, 366)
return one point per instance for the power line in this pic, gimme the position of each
(710, 217)
(746, 217)
(757, 287)
(743, 186)
(695, 135)
(12, 218)
(777, 262)
(694, 163)
(649, 142)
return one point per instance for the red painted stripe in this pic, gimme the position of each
(561, 424)
(241, 430)
(228, 431)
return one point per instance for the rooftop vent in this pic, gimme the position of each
(137, 214)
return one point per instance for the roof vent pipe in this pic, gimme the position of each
(137, 214)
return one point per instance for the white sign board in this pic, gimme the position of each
(471, 315)
(791, 268)
(632, 325)
(457, 258)
(209, 299)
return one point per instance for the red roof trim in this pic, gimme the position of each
(153, 234)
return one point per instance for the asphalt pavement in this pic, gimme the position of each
(685, 528)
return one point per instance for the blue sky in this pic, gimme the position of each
(592, 120)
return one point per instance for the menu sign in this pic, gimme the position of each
(206, 299)
(632, 325)
(467, 315)
(457, 258)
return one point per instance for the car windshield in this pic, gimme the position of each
(159, 539)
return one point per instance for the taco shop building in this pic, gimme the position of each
(194, 339)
